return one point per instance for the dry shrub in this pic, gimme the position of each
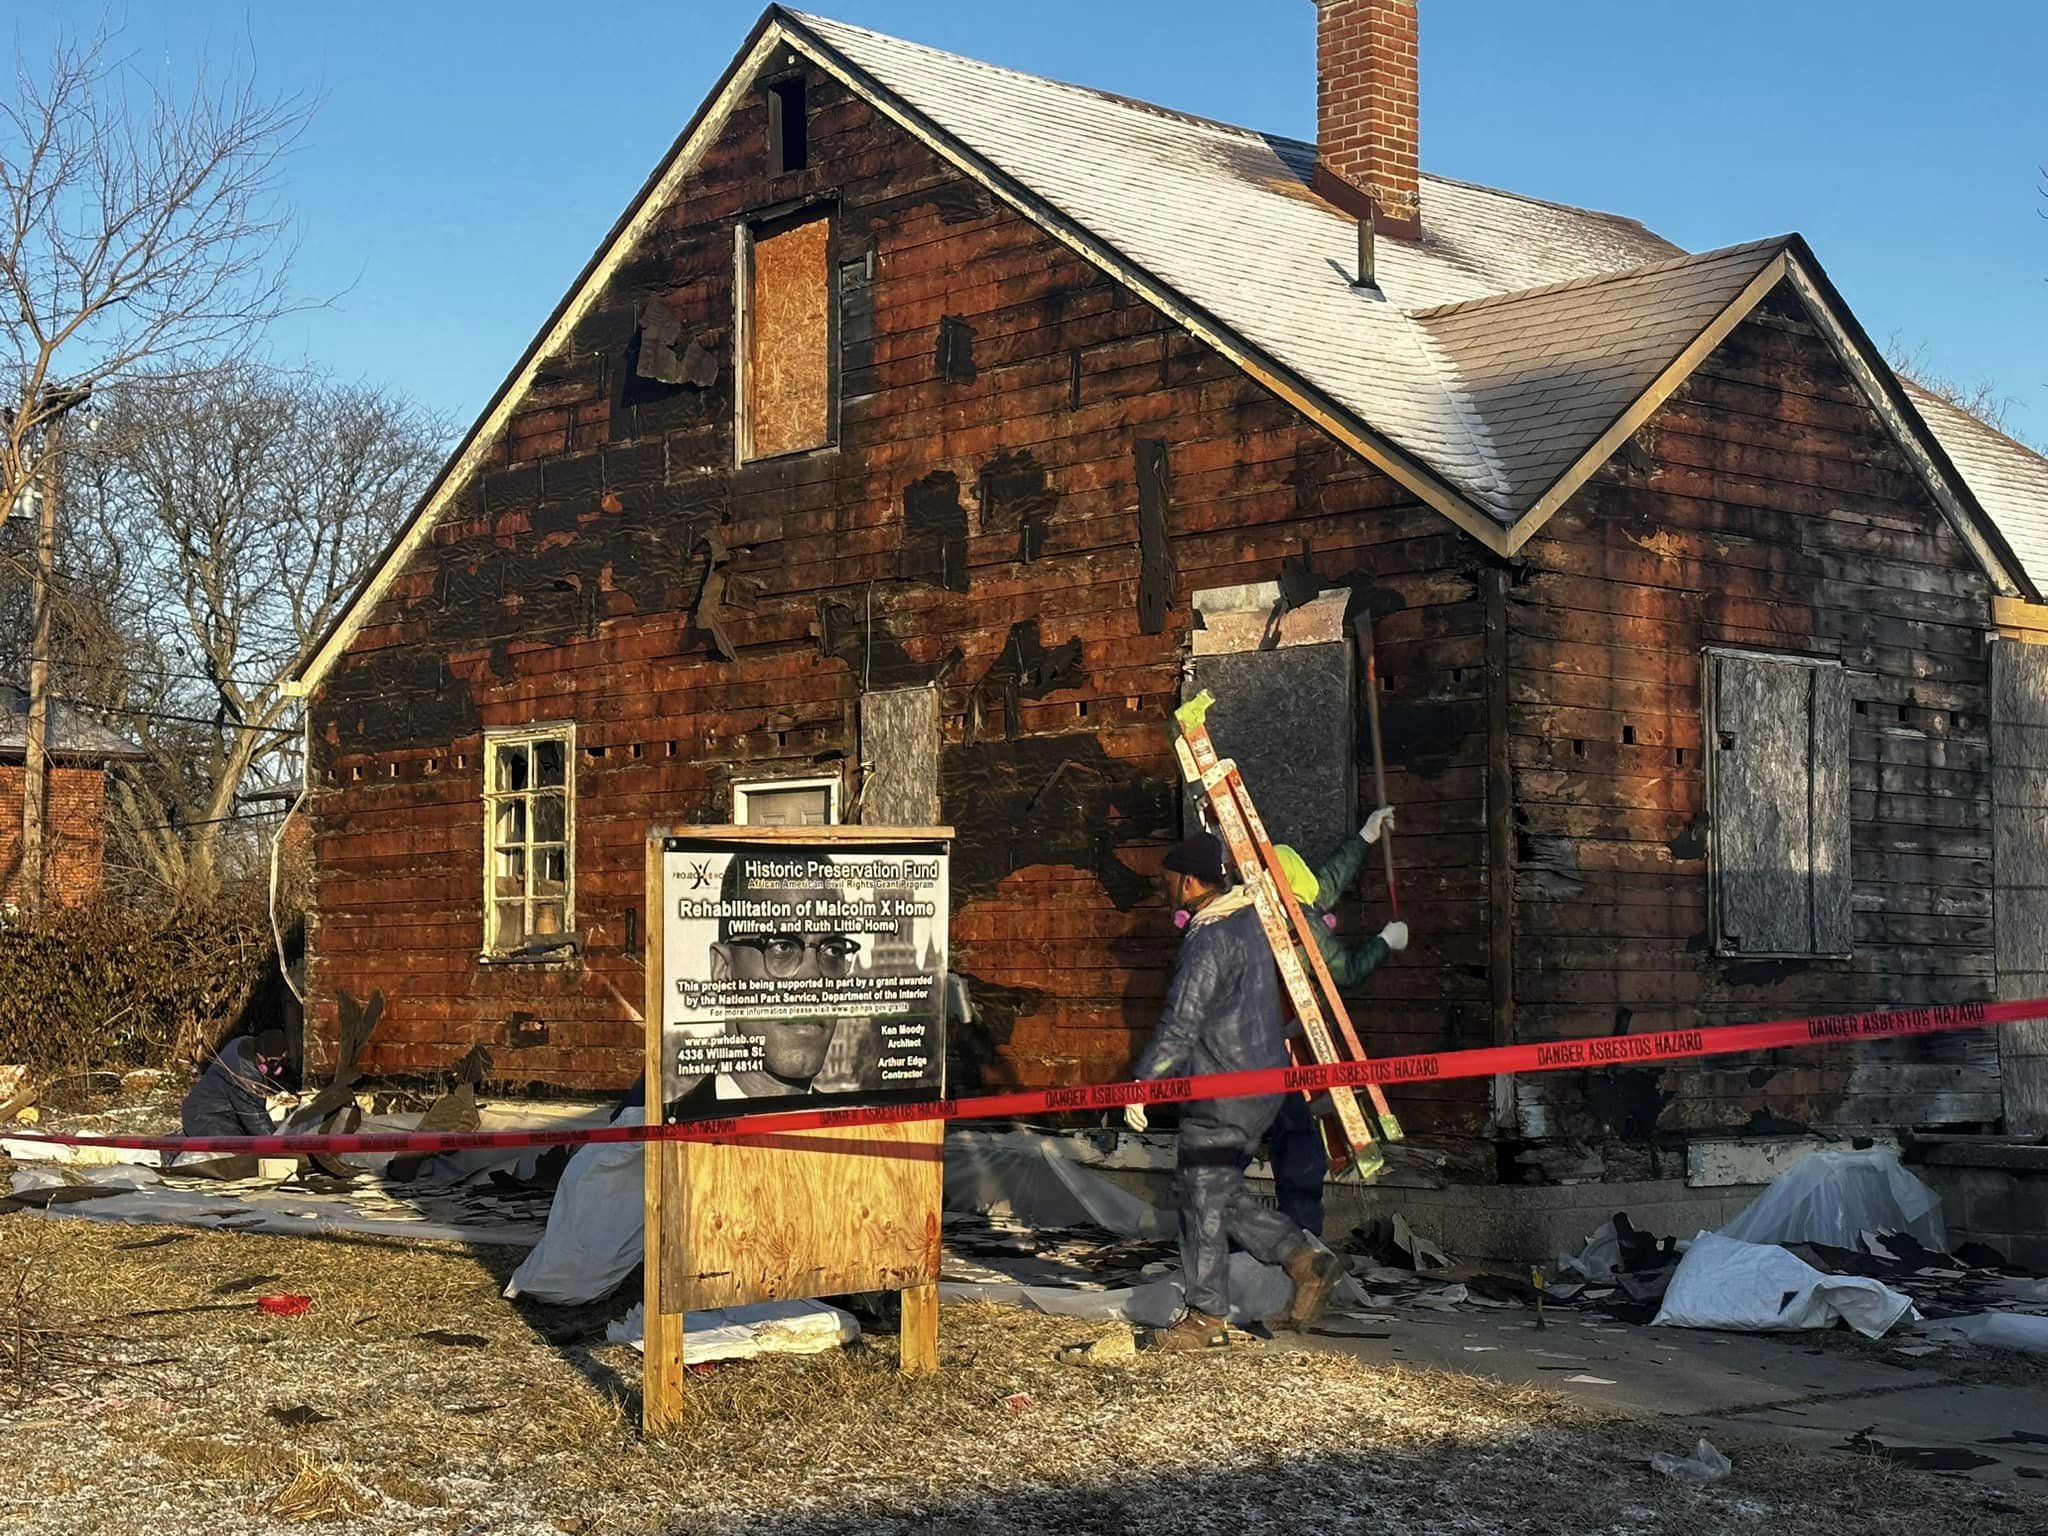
(108, 987)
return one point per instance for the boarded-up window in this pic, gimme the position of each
(1285, 717)
(1779, 776)
(786, 405)
(1285, 709)
(529, 827)
(899, 757)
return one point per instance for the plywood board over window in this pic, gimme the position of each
(786, 405)
(1286, 710)
(1779, 833)
(899, 757)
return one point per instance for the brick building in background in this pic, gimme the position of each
(81, 752)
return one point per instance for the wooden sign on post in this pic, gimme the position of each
(787, 966)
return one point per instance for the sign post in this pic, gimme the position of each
(792, 967)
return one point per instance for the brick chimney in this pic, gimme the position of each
(1366, 111)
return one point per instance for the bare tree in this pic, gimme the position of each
(224, 520)
(140, 225)
(1982, 399)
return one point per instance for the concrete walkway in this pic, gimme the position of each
(1920, 1410)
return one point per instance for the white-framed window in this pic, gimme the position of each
(529, 835)
(786, 803)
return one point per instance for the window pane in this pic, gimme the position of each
(789, 341)
(548, 760)
(550, 871)
(550, 818)
(547, 917)
(786, 807)
(511, 924)
(511, 826)
(512, 767)
(512, 872)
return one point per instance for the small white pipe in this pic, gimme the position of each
(276, 854)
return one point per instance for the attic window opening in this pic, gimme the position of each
(789, 134)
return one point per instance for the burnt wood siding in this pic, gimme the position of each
(590, 571)
(1765, 508)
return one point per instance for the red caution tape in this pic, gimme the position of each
(1437, 1066)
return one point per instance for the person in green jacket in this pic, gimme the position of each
(1294, 1143)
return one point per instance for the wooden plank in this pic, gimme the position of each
(1502, 915)
(661, 1372)
(2021, 620)
(918, 1341)
(1828, 854)
(825, 1213)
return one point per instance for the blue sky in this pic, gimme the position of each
(467, 158)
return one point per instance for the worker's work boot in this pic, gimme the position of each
(1315, 1272)
(1194, 1332)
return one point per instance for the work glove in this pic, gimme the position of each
(1395, 935)
(1134, 1117)
(1377, 823)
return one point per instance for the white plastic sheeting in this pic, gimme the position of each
(1597, 1262)
(594, 1236)
(1705, 1465)
(1835, 1197)
(594, 1239)
(1760, 1288)
(142, 1195)
(2022, 1332)
(1040, 1180)
(746, 1333)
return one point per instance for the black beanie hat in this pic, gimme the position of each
(1200, 855)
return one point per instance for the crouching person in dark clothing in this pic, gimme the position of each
(1223, 1014)
(232, 1098)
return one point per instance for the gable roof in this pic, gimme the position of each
(1500, 360)
(1547, 371)
(71, 734)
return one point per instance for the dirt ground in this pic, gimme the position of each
(411, 1397)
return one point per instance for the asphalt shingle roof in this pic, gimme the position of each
(2009, 480)
(71, 735)
(1500, 346)
(1225, 217)
(1547, 372)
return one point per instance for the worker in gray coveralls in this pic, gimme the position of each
(1223, 1014)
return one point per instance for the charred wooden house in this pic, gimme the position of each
(925, 430)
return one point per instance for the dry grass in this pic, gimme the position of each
(534, 1431)
(319, 1491)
